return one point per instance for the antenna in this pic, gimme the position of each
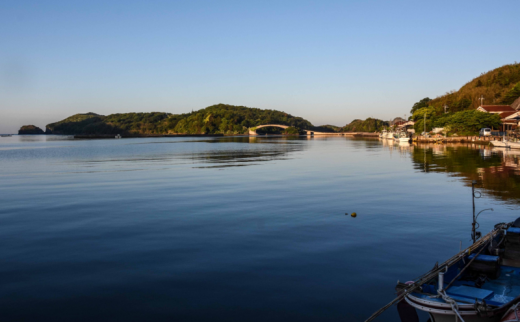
(475, 235)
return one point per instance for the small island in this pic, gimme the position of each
(30, 130)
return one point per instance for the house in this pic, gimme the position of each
(509, 116)
(406, 125)
(495, 108)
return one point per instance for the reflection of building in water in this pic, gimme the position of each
(510, 159)
(496, 170)
(402, 147)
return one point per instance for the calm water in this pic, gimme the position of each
(230, 229)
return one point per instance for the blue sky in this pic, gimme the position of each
(327, 61)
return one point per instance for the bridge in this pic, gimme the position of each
(252, 130)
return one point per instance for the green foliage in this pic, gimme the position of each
(418, 118)
(75, 124)
(30, 130)
(216, 119)
(292, 131)
(512, 94)
(326, 128)
(497, 86)
(419, 105)
(468, 122)
(368, 125)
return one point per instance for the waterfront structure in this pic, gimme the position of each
(508, 115)
(407, 126)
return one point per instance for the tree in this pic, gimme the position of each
(512, 94)
(421, 104)
(468, 122)
(418, 117)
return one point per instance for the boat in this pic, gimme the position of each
(403, 137)
(501, 144)
(6, 135)
(383, 134)
(480, 283)
(118, 136)
(505, 143)
(513, 145)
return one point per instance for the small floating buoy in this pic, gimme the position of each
(353, 214)
(346, 213)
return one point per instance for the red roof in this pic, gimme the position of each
(506, 114)
(497, 108)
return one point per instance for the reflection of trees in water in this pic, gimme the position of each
(497, 171)
(248, 155)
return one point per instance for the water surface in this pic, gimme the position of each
(233, 228)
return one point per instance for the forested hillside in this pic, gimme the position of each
(499, 86)
(368, 125)
(216, 119)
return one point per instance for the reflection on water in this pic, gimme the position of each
(496, 170)
(151, 229)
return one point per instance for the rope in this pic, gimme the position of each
(433, 273)
(454, 305)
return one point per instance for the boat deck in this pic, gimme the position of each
(504, 288)
(495, 292)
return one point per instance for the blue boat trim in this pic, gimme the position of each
(486, 258)
(481, 283)
(470, 292)
(513, 230)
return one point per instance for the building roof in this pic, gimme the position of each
(504, 115)
(516, 105)
(497, 108)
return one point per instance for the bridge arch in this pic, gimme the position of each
(252, 130)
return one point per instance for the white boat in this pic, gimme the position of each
(514, 145)
(403, 137)
(502, 144)
(118, 136)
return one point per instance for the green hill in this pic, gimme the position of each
(30, 130)
(368, 125)
(216, 119)
(327, 128)
(499, 86)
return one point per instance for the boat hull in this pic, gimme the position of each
(442, 312)
(502, 144)
(514, 145)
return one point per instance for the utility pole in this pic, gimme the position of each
(473, 233)
(481, 100)
(425, 123)
(446, 107)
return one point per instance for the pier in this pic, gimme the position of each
(477, 139)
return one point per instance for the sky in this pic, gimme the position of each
(327, 61)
